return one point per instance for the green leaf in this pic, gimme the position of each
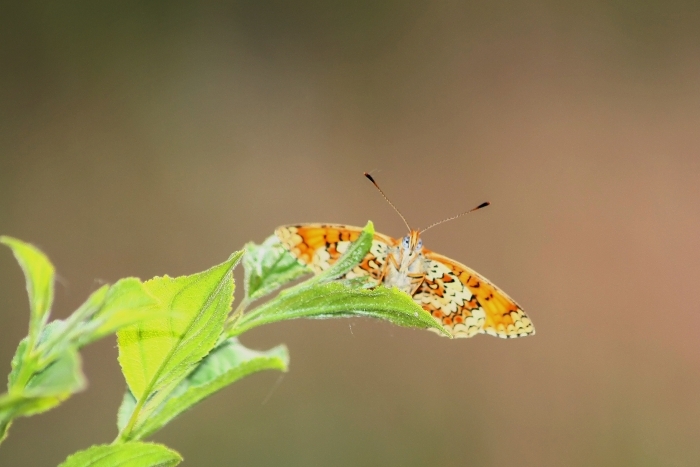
(39, 275)
(36, 386)
(157, 354)
(268, 267)
(16, 406)
(12, 407)
(132, 454)
(26, 364)
(338, 299)
(127, 302)
(89, 308)
(17, 363)
(5, 423)
(42, 378)
(107, 309)
(46, 367)
(60, 379)
(58, 335)
(126, 409)
(226, 364)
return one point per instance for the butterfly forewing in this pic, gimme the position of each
(496, 313)
(320, 245)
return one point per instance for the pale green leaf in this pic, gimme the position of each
(39, 275)
(133, 454)
(149, 351)
(126, 409)
(5, 422)
(106, 310)
(61, 378)
(26, 363)
(17, 363)
(338, 299)
(60, 335)
(157, 354)
(34, 389)
(268, 267)
(225, 364)
(12, 407)
(127, 302)
(89, 308)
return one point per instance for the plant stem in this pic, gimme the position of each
(235, 316)
(6, 400)
(123, 434)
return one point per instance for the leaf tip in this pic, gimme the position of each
(236, 256)
(11, 242)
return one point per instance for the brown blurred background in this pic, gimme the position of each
(147, 139)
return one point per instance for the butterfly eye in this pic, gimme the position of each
(419, 245)
(406, 242)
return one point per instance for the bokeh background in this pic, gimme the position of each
(156, 138)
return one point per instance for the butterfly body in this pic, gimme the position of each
(405, 265)
(460, 299)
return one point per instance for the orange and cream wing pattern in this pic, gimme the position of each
(460, 299)
(320, 245)
(467, 303)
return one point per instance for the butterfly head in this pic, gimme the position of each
(412, 241)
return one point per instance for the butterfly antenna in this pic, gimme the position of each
(369, 177)
(482, 205)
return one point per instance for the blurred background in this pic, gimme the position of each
(156, 138)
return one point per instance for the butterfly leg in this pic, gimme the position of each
(390, 259)
(418, 279)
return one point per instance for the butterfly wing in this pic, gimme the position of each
(467, 303)
(464, 302)
(320, 245)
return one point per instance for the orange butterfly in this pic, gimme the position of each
(463, 301)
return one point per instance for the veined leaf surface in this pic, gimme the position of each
(227, 363)
(157, 354)
(39, 274)
(268, 267)
(133, 454)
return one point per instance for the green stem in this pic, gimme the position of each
(235, 316)
(28, 368)
(247, 321)
(7, 400)
(122, 437)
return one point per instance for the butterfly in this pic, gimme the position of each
(462, 300)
